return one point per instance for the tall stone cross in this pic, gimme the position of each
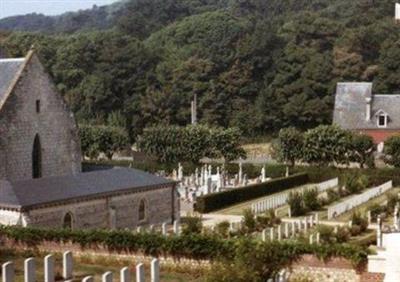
(194, 109)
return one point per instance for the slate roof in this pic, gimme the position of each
(9, 69)
(350, 106)
(30, 193)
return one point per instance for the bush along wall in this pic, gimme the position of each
(194, 246)
(223, 199)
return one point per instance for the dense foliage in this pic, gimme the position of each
(212, 202)
(263, 259)
(102, 139)
(171, 144)
(324, 145)
(392, 151)
(254, 64)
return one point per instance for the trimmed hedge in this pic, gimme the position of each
(223, 199)
(194, 246)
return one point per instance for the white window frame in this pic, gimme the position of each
(385, 116)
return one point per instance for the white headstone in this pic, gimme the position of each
(88, 279)
(176, 227)
(155, 270)
(67, 265)
(107, 277)
(164, 228)
(140, 272)
(263, 176)
(29, 270)
(7, 271)
(49, 269)
(124, 275)
(397, 12)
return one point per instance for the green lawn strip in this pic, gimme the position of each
(238, 209)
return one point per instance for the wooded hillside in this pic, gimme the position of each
(255, 64)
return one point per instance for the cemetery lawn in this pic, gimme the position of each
(362, 209)
(239, 208)
(95, 266)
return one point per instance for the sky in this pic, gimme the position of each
(47, 7)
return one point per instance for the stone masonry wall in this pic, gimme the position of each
(55, 125)
(333, 270)
(98, 213)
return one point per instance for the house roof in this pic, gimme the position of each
(9, 71)
(27, 194)
(350, 106)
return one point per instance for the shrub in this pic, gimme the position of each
(211, 202)
(392, 151)
(376, 210)
(192, 225)
(342, 235)
(249, 222)
(310, 198)
(222, 228)
(360, 221)
(295, 202)
(332, 195)
(392, 201)
(326, 234)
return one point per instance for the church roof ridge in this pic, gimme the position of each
(11, 70)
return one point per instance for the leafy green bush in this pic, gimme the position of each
(332, 195)
(376, 210)
(223, 199)
(222, 228)
(310, 199)
(359, 221)
(342, 235)
(296, 204)
(392, 150)
(192, 225)
(249, 222)
(392, 201)
(96, 139)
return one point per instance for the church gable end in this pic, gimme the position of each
(33, 110)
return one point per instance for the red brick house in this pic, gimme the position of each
(357, 109)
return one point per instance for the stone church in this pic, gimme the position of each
(41, 183)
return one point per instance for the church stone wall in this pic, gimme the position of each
(55, 125)
(98, 213)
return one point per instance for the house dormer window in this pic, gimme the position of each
(382, 119)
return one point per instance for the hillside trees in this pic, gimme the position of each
(255, 65)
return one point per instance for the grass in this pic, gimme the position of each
(362, 209)
(239, 208)
(94, 266)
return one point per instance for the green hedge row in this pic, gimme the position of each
(212, 202)
(193, 246)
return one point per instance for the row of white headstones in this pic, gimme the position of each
(176, 228)
(8, 271)
(289, 230)
(276, 201)
(357, 200)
